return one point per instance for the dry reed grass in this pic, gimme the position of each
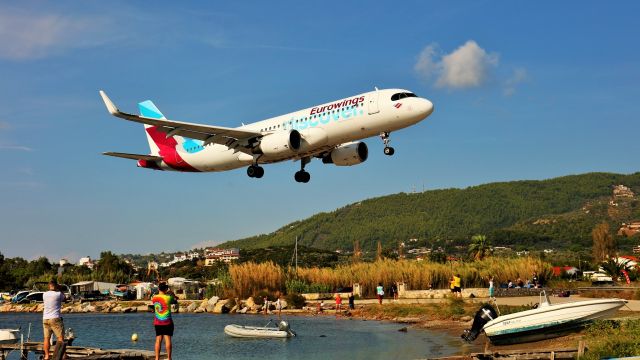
(249, 278)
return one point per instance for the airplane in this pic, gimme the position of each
(331, 132)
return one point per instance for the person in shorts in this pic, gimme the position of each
(51, 319)
(162, 320)
(457, 288)
(380, 293)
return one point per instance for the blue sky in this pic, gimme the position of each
(521, 91)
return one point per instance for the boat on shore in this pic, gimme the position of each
(9, 336)
(544, 321)
(240, 331)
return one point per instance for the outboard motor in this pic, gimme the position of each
(483, 316)
(284, 326)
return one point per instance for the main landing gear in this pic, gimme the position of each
(255, 171)
(388, 150)
(303, 176)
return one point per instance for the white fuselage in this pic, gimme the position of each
(325, 126)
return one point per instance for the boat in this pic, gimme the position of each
(544, 321)
(240, 331)
(9, 336)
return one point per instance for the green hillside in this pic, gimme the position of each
(509, 212)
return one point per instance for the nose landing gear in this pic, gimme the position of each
(388, 150)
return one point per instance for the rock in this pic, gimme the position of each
(192, 307)
(283, 303)
(116, 309)
(66, 310)
(213, 300)
(143, 308)
(198, 310)
(129, 310)
(466, 318)
(234, 309)
(221, 307)
(243, 310)
(404, 329)
(90, 308)
(251, 304)
(210, 308)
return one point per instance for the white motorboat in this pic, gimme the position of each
(543, 322)
(9, 336)
(241, 331)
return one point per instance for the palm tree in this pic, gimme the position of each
(480, 247)
(613, 267)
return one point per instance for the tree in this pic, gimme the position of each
(480, 247)
(379, 251)
(604, 245)
(614, 268)
(357, 253)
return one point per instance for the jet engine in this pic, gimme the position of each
(279, 143)
(348, 154)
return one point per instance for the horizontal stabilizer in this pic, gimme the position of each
(134, 156)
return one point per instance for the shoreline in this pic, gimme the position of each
(415, 317)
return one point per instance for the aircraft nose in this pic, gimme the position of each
(425, 107)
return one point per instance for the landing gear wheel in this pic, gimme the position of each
(255, 171)
(302, 176)
(388, 150)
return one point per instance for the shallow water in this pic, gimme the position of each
(201, 336)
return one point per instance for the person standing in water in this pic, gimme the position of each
(162, 320)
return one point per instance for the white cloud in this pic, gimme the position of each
(426, 66)
(27, 35)
(467, 66)
(518, 76)
(15, 147)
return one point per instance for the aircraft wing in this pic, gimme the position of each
(133, 156)
(232, 137)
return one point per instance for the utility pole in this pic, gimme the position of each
(296, 253)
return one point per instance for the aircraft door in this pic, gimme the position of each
(373, 102)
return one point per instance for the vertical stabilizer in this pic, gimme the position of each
(149, 109)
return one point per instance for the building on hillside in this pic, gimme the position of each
(224, 255)
(629, 229)
(621, 191)
(86, 261)
(63, 262)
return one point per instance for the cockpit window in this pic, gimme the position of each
(398, 96)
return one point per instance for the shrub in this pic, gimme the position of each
(295, 301)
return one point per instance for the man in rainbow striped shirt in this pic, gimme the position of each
(162, 320)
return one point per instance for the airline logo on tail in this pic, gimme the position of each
(149, 109)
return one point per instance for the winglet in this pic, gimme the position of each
(113, 110)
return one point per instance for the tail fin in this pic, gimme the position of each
(149, 109)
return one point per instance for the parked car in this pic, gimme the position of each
(32, 297)
(19, 296)
(94, 295)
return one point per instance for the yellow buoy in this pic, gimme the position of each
(134, 337)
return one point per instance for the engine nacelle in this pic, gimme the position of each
(279, 143)
(348, 154)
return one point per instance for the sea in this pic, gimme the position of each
(201, 336)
